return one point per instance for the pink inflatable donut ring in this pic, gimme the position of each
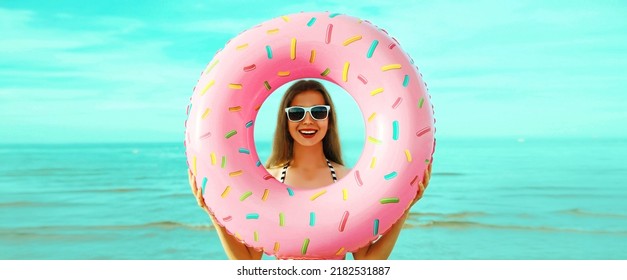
(326, 222)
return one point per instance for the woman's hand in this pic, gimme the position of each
(422, 186)
(234, 249)
(382, 248)
(196, 191)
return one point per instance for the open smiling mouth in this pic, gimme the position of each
(308, 133)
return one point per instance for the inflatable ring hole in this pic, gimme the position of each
(350, 122)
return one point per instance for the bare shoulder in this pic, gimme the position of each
(340, 170)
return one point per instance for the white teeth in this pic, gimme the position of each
(309, 132)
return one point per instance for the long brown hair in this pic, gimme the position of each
(283, 144)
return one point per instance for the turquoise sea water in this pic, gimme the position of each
(488, 199)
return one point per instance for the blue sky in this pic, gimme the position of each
(119, 71)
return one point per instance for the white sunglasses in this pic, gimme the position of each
(317, 112)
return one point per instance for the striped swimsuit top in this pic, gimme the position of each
(284, 171)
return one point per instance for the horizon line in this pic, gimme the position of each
(181, 142)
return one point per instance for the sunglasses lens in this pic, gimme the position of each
(319, 112)
(296, 114)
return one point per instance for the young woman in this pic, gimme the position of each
(306, 154)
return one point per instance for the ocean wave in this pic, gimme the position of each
(583, 213)
(31, 204)
(447, 174)
(171, 224)
(474, 225)
(177, 195)
(447, 215)
(112, 190)
(116, 190)
(559, 195)
(550, 187)
(29, 236)
(159, 225)
(45, 172)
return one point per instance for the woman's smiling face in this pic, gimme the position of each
(308, 131)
